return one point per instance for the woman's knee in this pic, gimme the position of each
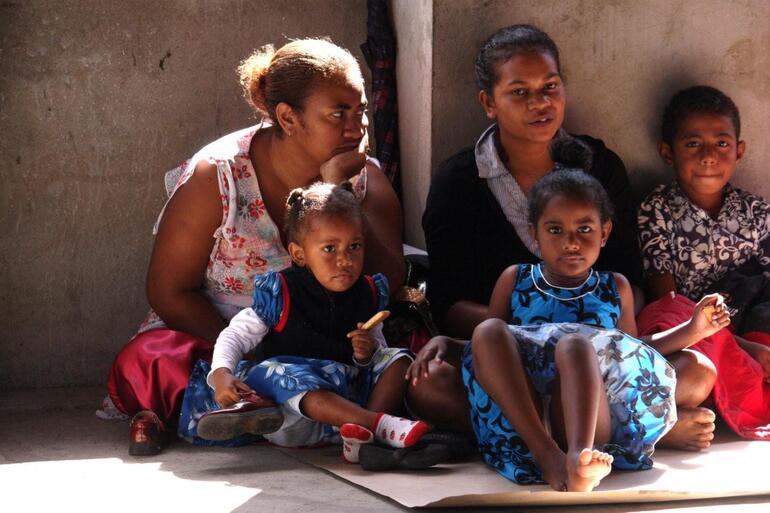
(441, 393)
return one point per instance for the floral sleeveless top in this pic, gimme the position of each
(247, 242)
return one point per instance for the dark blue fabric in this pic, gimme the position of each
(534, 301)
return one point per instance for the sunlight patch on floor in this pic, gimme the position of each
(111, 484)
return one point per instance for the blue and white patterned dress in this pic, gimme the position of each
(639, 382)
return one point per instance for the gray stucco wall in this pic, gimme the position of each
(97, 100)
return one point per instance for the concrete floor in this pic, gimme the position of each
(56, 455)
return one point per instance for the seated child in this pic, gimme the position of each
(698, 228)
(329, 376)
(559, 387)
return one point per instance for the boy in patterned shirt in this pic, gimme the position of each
(697, 229)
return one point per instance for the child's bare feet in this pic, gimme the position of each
(693, 431)
(586, 468)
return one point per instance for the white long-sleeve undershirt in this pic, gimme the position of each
(244, 333)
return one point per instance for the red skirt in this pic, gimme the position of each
(152, 370)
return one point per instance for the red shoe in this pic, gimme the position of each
(251, 415)
(148, 435)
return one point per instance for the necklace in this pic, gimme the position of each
(547, 293)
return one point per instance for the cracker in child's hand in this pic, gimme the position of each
(709, 311)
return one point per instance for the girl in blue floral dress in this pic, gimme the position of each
(330, 377)
(559, 387)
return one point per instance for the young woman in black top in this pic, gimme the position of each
(475, 220)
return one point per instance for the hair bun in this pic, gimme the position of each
(571, 152)
(252, 72)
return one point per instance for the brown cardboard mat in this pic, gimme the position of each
(732, 467)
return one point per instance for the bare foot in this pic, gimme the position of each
(586, 468)
(553, 468)
(692, 432)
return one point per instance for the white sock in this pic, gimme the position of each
(397, 431)
(353, 437)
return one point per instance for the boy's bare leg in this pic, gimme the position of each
(390, 390)
(329, 408)
(695, 378)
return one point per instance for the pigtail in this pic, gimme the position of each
(294, 212)
(347, 186)
(295, 198)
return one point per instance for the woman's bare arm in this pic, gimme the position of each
(383, 220)
(181, 253)
(463, 317)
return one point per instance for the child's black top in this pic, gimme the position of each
(309, 321)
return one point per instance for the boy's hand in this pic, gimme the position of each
(710, 315)
(435, 349)
(227, 388)
(344, 166)
(364, 344)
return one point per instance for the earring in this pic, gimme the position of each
(603, 242)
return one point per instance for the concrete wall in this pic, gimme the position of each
(97, 100)
(413, 23)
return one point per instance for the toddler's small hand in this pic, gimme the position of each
(227, 388)
(363, 343)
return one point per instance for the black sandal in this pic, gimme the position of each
(421, 456)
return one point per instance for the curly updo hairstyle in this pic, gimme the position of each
(319, 200)
(269, 76)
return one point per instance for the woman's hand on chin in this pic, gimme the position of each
(345, 165)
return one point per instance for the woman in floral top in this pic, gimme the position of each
(217, 231)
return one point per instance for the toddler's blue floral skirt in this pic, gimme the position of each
(281, 378)
(640, 387)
